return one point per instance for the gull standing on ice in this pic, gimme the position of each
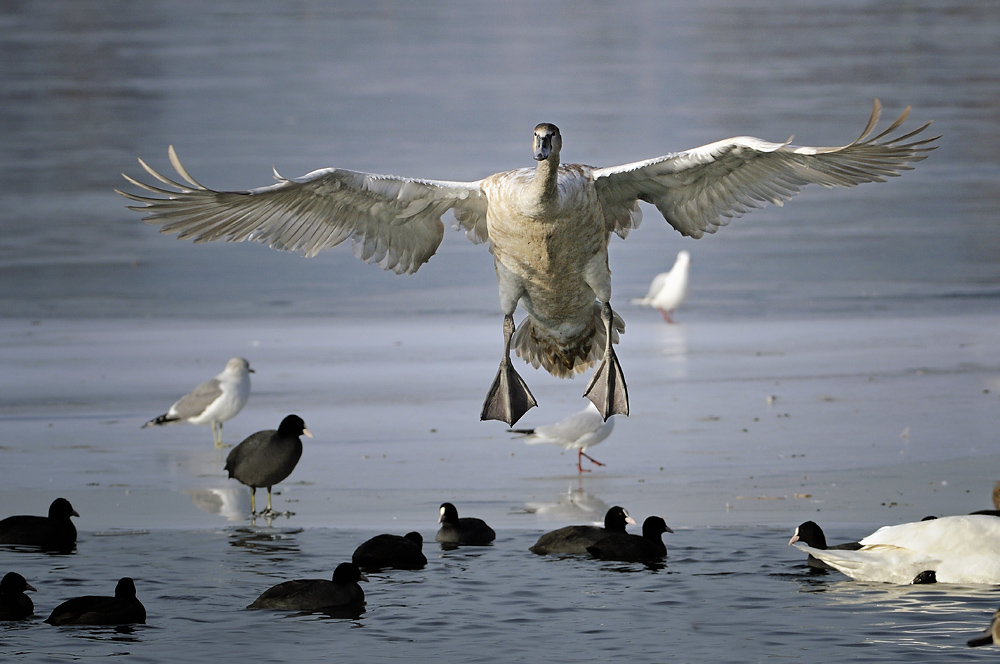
(214, 401)
(577, 432)
(547, 227)
(668, 289)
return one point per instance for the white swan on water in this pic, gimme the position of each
(548, 228)
(958, 549)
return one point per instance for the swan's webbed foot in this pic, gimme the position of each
(509, 397)
(607, 389)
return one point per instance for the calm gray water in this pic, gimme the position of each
(451, 91)
(724, 595)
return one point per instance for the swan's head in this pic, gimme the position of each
(547, 141)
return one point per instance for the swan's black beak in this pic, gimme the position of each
(543, 147)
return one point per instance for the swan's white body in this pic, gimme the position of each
(668, 290)
(959, 549)
(213, 402)
(548, 228)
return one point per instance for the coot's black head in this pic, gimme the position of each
(810, 533)
(448, 513)
(617, 518)
(348, 573)
(416, 538)
(293, 426)
(61, 509)
(654, 526)
(14, 584)
(125, 588)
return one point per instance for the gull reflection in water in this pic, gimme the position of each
(574, 505)
(231, 502)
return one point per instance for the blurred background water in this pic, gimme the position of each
(451, 90)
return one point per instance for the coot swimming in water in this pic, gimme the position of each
(384, 551)
(576, 539)
(122, 609)
(54, 532)
(316, 594)
(467, 530)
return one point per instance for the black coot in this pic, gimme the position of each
(384, 551)
(122, 609)
(628, 548)
(14, 604)
(54, 532)
(316, 594)
(576, 539)
(267, 457)
(810, 533)
(467, 530)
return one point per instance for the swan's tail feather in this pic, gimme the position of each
(564, 358)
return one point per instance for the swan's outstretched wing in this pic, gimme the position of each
(699, 190)
(392, 221)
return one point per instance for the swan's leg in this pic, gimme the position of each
(607, 389)
(509, 397)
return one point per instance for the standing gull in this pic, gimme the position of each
(267, 457)
(547, 227)
(214, 401)
(668, 290)
(577, 432)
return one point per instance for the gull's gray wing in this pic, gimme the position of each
(197, 400)
(392, 221)
(699, 190)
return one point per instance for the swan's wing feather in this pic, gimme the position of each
(880, 562)
(699, 190)
(392, 221)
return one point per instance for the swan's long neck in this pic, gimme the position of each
(544, 186)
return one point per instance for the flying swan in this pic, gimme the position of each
(547, 227)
